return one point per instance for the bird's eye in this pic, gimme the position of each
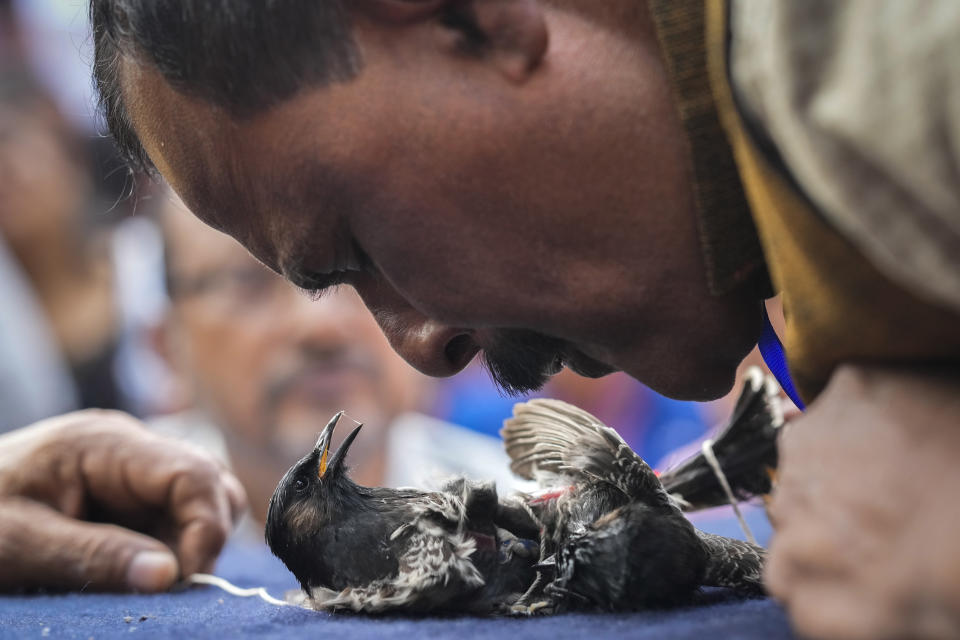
(300, 484)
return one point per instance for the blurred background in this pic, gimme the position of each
(113, 296)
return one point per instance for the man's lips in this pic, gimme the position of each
(586, 366)
(522, 360)
(555, 367)
(580, 364)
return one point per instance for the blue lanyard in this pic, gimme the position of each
(772, 351)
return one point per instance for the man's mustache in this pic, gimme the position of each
(521, 361)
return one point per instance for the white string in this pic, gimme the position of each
(215, 581)
(707, 448)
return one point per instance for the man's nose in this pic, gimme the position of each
(432, 348)
(429, 346)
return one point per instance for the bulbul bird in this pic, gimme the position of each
(375, 549)
(603, 533)
(613, 537)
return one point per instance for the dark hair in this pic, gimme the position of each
(242, 55)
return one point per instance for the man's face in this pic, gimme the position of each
(270, 365)
(544, 217)
(43, 187)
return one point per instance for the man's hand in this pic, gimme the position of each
(867, 510)
(92, 500)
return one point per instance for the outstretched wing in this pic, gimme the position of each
(732, 563)
(549, 438)
(435, 568)
(746, 450)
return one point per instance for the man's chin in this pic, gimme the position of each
(706, 383)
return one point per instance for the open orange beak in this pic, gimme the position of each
(322, 448)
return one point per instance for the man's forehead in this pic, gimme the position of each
(175, 130)
(198, 148)
(279, 180)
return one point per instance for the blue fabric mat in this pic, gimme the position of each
(208, 612)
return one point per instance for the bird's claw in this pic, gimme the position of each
(542, 607)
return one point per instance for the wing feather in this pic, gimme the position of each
(547, 439)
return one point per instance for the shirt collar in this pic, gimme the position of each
(728, 237)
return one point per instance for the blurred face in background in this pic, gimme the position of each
(43, 181)
(270, 365)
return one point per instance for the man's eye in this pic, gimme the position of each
(317, 284)
(300, 485)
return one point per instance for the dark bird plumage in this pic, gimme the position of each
(375, 549)
(618, 539)
(603, 533)
(746, 450)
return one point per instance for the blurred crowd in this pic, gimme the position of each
(115, 297)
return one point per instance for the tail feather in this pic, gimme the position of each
(746, 450)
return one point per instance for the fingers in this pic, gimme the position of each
(203, 500)
(200, 499)
(200, 507)
(236, 496)
(40, 547)
(108, 462)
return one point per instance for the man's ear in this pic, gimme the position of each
(512, 34)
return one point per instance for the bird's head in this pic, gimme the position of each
(307, 502)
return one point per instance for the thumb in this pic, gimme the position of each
(42, 548)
